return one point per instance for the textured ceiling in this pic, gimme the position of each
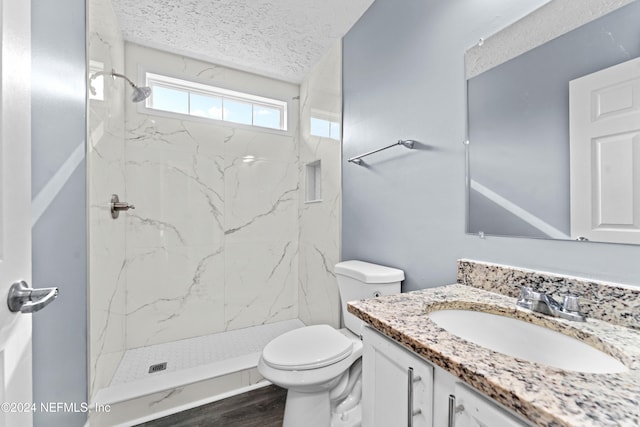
(277, 38)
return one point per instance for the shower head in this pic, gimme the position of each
(139, 94)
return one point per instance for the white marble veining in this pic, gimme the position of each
(212, 243)
(319, 232)
(105, 161)
(260, 283)
(167, 183)
(216, 243)
(261, 200)
(173, 293)
(281, 39)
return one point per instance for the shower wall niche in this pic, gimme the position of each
(220, 238)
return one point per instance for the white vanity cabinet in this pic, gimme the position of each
(471, 409)
(397, 385)
(397, 382)
(456, 404)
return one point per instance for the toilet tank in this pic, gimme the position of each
(358, 280)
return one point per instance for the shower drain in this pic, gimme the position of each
(157, 367)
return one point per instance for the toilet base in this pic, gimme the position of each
(307, 409)
(313, 410)
(350, 418)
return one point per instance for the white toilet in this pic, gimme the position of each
(321, 366)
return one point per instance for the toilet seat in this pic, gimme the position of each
(311, 347)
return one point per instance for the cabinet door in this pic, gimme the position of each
(474, 410)
(397, 385)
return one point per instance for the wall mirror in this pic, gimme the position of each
(553, 146)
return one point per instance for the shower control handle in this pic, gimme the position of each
(116, 206)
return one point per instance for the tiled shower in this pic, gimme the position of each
(222, 236)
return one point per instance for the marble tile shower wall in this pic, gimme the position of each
(215, 243)
(320, 95)
(105, 161)
(212, 244)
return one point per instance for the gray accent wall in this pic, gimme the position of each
(59, 235)
(403, 78)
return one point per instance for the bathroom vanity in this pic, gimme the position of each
(417, 373)
(398, 386)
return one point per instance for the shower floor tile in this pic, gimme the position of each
(198, 351)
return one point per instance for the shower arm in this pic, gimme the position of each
(111, 73)
(114, 74)
(140, 93)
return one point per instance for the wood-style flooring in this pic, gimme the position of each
(263, 407)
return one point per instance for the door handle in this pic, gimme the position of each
(24, 299)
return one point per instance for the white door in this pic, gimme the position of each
(605, 154)
(15, 211)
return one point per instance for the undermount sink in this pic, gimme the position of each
(526, 341)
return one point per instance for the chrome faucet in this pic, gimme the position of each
(544, 303)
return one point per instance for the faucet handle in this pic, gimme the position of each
(526, 297)
(571, 303)
(525, 292)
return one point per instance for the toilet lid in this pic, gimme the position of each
(310, 347)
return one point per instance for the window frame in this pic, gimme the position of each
(193, 87)
(330, 119)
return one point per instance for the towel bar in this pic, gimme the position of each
(405, 142)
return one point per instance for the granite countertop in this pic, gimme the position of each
(544, 395)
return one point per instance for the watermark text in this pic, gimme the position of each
(51, 407)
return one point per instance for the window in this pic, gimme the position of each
(200, 100)
(325, 128)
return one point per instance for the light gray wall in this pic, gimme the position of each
(59, 236)
(404, 78)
